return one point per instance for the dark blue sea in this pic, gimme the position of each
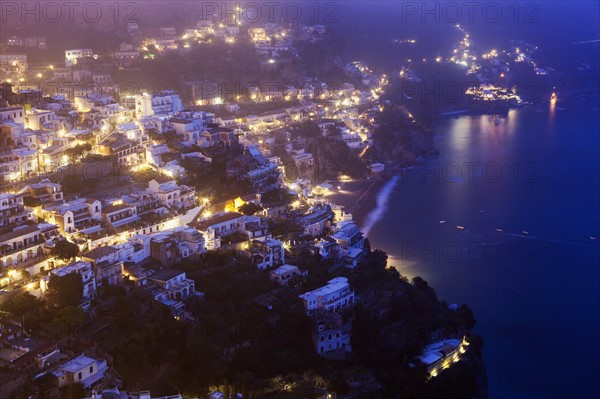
(536, 296)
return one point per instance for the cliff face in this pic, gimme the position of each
(399, 138)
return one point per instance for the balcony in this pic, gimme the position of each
(339, 298)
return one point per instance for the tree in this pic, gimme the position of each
(465, 318)
(70, 317)
(249, 208)
(420, 284)
(77, 152)
(66, 290)
(64, 250)
(21, 304)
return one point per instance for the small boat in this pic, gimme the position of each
(442, 221)
(482, 211)
(592, 238)
(499, 230)
(525, 232)
(460, 227)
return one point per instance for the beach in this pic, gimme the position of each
(359, 196)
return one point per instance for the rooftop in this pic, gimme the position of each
(333, 285)
(284, 269)
(224, 217)
(99, 252)
(166, 274)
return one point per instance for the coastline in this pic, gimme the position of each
(359, 197)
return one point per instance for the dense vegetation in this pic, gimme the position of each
(251, 335)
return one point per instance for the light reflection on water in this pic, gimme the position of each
(529, 293)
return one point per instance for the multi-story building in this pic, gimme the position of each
(12, 210)
(253, 227)
(73, 56)
(82, 370)
(171, 194)
(25, 243)
(317, 221)
(106, 262)
(125, 151)
(10, 168)
(126, 58)
(165, 103)
(174, 283)
(267, 253)
(40, 119)
(97, 106)
(13, 65)
(336, 295)
(284, 273)
(143, 201)
(75, 215)
(44, 192)
(331, 336)
(28, 161)
(167, 31)
(14, 114)
(171, 246)
(83, 268)
(118, 215)
(222, 224)
(351, 240)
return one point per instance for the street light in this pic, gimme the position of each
(11, 275)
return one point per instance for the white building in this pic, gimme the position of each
(170, 194)
(74, 215)
(284, 273)
(25, 243)
(12, 210)
(351, 240)
(223, 224)
(15, 114)
(175, 283)
(165, 103)
(441, 355)
(13, 64)
(40, 119)
(83, 268)
(83, 370)
(73, 56)
(266, 253)
(336, 295)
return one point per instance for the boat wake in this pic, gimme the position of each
(383, 198)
